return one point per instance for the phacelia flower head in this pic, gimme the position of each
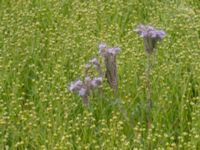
(83, 88)
(104, 50)
(113, 51)
(150, 35)
(75, 86)
(96, 82)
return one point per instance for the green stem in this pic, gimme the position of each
(149, 92)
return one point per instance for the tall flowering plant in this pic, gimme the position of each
(150, 37)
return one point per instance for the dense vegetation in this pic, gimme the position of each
(44, 45)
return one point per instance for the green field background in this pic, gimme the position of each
(44, 45)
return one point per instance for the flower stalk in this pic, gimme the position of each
(150, 37)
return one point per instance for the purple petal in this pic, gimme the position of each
(102, 47)
(82, 92)
(74, 86)
(96, 81)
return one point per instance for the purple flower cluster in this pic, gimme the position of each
(150, 35)
(76, 86)
(83, 88)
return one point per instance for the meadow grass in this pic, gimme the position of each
(44, 45)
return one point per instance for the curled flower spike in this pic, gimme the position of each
(109, 55)
(111, 72)
(150, 35)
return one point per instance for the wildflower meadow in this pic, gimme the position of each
(100, 75)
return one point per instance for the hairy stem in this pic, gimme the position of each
(85, 101)
(154, 57)
(149, 92)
